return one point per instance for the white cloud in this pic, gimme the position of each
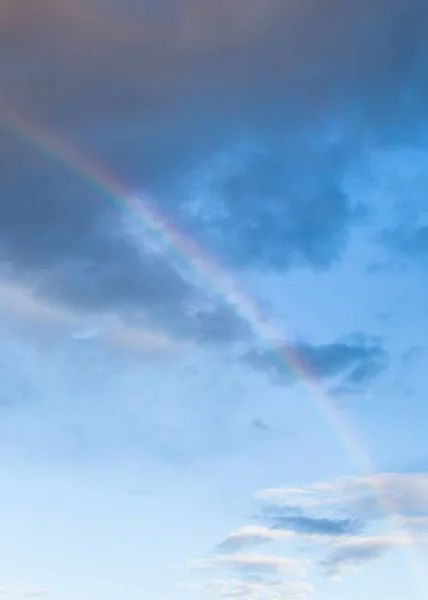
(296, 590)
(246, 590)
(234, 588)
(370, 497)
(392, 506)
(250, 536)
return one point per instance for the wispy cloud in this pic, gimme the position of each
(251, 535)
(289, 590)
(354, 553)
(368, 497)
(314, 526)
(248, 564)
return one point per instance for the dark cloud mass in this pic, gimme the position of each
(354, 363)
(55, 232)
(241, 119)
(66, 241)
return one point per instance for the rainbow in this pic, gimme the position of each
(152, 221)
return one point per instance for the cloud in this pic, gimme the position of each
(391, 507)
(345, 523)
(355, 363)
(73, 250)
(249, 536)
(236, 589)
(283, 527)
(403, 494)
(408, 244)
(241, 118)
(228, 122)
(367, 498)
(248, 564)
(296, 590)
(52, 320)
(286, 217)
(416, 522)
(354, 553)
(314, 526)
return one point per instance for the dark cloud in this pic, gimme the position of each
(66, 241)
(278, 211)
(317, 526)
(292, 518)
(158, 93)
(355, 363)
(241, 119)
(52, 228)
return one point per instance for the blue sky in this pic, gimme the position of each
(152, 444)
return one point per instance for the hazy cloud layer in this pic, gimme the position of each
(231, 58)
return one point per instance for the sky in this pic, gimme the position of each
(213, 263)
